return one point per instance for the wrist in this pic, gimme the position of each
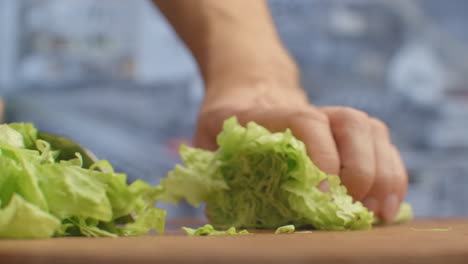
(254, 89)
(274, 74)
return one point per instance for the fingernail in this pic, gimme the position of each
(390, 208)
(323, 186)
(371, 204)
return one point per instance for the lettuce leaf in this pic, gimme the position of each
(28, 132)
(287, 229)
(405, 214)
(209, 230)
(21, 219)
(41, 196)
(11, 136)
(259, 179)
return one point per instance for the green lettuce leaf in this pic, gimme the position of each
(209, 230)
(60, 197)
(287, 229)
(21, 219)
(28, 131)
(259, 179)
(77, 194)
(153, 218)
(405, 214)
(10, 136)
(199, 164)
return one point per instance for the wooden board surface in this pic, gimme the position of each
(412, 242)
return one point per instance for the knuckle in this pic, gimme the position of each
(384, 180)
(352, 113)
(350, 117)
(402, 174)
(310, 115)
(364, 171)
(361, 176)
(383, 186)
(328, 162)
(379, 126)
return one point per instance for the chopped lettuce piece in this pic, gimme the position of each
(285, 229)
(208, 230)
(153, 218)
(28, 131)
(21, 219)
(41, 196)
(10, 136)
(432, 229)
(405, 214)
(259, 179)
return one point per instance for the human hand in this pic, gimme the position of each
(339, 140)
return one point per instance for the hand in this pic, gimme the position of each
(339, 140)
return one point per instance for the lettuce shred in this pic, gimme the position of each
(287, 229)
(209, 230)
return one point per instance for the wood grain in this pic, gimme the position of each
(408, 243)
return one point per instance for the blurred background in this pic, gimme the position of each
(112, 75)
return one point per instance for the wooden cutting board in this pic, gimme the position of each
(414, 242)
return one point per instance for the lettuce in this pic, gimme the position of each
(259, 179)
(405, 214)
(287, 229)
(42, 196)
(208, 230)
(21, 219)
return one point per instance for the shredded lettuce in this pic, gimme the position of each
(405, 214)
(259, 179)
(208, 230)
(41, 196)
(287, 229)
(432, 229)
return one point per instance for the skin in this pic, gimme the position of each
(248, 73)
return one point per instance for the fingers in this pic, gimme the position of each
(313, 128)
(371, 167)
(382, 199)
(308, 124)
(205, 137)
(401, 174)
(209, 125)
(390, 181)
(400, 181)
(353, 136)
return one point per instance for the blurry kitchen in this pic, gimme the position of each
(112, 75)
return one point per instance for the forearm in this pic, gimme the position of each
(232, 40)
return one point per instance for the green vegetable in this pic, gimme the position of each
(405, 214)
(208, 230)
(21, 219)
(259, 179)
(41, 196)
(432, 229)
(285, 229)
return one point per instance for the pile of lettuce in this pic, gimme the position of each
(41, 196)
(259, 179)
(256, 179)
